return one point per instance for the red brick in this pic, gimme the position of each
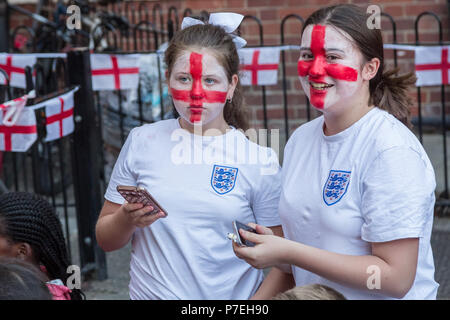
(205, 4)
(404, 23)
(318, 3)
(271, 28)
(424, 37)
(394, 10)
(303, 11)
(258, 3)
(271, 40)
(415, 10)
(269, 14)
(236, 4)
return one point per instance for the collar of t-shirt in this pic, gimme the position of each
(350, 130)
(206, 141)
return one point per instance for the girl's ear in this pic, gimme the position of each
(370, 69)
(232, 87)
(23, 251)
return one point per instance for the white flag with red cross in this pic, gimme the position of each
(14, 66)
(259, 66)
(20, 136)
(59, 116)
(114, 72)
(432, 65)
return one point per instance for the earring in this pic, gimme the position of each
(229, 100)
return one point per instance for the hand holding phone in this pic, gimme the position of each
(140, 195)
(237, 237)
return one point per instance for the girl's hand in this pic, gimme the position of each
(268, 250)
(136, 214)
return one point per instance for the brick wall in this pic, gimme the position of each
(271, 12)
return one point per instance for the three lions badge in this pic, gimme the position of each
(336, 186)
(223, 178)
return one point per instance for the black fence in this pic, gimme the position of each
(63, 171)
(72, 173)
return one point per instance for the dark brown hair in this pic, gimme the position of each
(222, 46)
(387, 90)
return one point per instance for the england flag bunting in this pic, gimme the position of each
(14, 66)
(432, 65)
(59, 116)
(114, 72)
(259, 66)
(18, 130)
(20, 136)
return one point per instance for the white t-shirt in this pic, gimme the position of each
(203, 184)
(372, 182)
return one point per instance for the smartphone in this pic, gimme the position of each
(240, 241)
(140, 195)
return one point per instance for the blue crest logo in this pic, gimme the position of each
(335, 186)
(223, 179)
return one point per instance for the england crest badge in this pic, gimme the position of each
(223, 179)
(336, 186)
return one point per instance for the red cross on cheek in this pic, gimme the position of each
(318, 68)
(197, 95)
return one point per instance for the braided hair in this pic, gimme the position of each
(25, 217)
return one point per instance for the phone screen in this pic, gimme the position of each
(239, 225)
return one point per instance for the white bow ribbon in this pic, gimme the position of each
(14, 108)
(227, 20)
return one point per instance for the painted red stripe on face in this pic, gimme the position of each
(197, 95)
(319, 67)
(196, 67)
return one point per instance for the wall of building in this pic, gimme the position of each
(271, 13)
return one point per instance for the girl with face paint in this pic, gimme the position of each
(186, 255)
(357, 195)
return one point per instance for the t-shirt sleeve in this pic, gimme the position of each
(397, 196)
(266, 194)
(122, 173)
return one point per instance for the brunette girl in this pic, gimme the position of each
(186, 255)
(357, 186)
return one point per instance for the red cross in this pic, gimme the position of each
(255, 67)
(317, 68)
(444, 66)
(60, 117)
(8, 131)
(115, 71)
(9, 68)
(197, 95)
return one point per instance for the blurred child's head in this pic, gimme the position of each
(202, 72)
(310, 292)
(20, 280)
(30, 230)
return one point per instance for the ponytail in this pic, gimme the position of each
(391, 94)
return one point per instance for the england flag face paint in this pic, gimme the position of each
(199, 87)
(328, 66)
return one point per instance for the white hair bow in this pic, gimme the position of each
(227, 20)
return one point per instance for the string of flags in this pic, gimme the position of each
(18, 124)
(259, 66)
